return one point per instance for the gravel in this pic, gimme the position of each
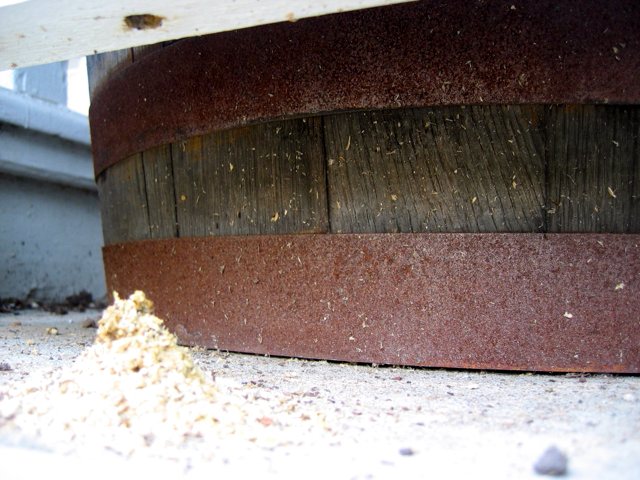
(552, 462)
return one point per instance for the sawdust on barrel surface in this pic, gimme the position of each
(134, 388)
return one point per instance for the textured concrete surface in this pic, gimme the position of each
(50, 229)
(377, 422)
(50, 239)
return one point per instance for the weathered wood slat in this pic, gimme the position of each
(592, 151)
(257, 180)
(515, 165)
(160, 191)
(140, 52)
(634, 221)
(123, 202)
(453, 169)
(146, 179)
(101, 66)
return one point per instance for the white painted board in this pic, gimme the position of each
(44, 31)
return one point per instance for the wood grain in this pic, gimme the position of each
(142, 51)
(101, 66)
(160, 192)
(634, 220)
(592, 153)
(452, 169)
(264, 179)
(123, 202)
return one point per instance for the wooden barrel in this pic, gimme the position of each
(423, 184)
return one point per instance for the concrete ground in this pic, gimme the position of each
(317, 419)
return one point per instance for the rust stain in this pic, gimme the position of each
(408, 55)
(482, 301)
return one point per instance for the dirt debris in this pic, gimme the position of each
(78, 302)
(53, 331)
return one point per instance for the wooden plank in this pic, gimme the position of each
(140, 52)
(449, 169)
(592, 151)
(263, 179)
(452, 169)
(103, 65)
(159, 187)
(44, 31)
(123, 202)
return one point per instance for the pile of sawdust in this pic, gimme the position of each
(134, 385)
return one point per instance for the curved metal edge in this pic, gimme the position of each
(409, 55)
(568, 302)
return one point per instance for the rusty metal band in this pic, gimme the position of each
(563, 302)
(426, 53)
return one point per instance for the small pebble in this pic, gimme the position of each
(406, 452)
(89, 323)
(552, 462)
(52, 331)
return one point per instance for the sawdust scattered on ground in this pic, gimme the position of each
(137, 388)
(254, 416)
